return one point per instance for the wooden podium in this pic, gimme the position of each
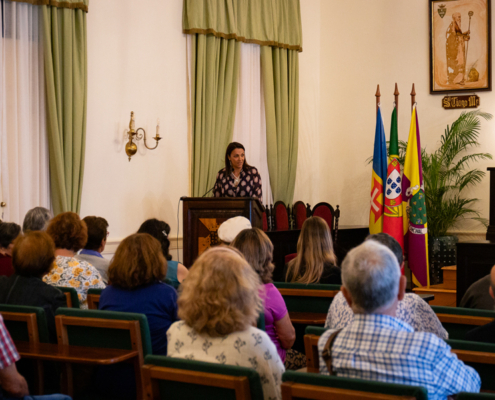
(202, 217)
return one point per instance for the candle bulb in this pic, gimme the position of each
(158, 127)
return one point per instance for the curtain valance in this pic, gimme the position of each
(274, 23)
(73, 4)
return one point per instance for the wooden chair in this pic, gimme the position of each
(289, 257)
(301, 386)
(181, 379)
(459, 321)
(281, 216)
(311, 337)
(300, 213)
(71, 296)
(94, 298)
(265, 219)
(326, 211)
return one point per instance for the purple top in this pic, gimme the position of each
(275, 310)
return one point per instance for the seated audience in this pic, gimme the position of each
(160, 230)
(33, 257)
(485, 333)
(229, 229)
(315, 261)
(13, 385)
(378, 346)
(412, 309)
(135, 275)
(8, 232)
(97, 240)
(257, 248)
(70, 235)
(219, 304)
(36, 219)
(478, 296)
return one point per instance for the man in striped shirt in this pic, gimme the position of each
(378, 346)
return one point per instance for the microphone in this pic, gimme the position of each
(208, 191)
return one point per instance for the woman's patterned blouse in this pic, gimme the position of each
(249, 186)
(412, 310)
(74, 273)
(251, 348)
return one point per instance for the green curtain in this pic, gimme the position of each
(64, 41)
(264, 22)
(73, 4)
(280, 74)
(214, 81)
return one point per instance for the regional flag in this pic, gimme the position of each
(378, 176)
(392, 215)
(414, 209)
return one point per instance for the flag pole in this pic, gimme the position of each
(396, 96)
(413, 97)
(377, 95)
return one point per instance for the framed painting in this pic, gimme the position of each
(460, 46)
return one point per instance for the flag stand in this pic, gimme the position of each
(377, 95)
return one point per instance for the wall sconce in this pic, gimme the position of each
(131, 147)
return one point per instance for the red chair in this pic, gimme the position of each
(281, 216)
(265, 221)
(290, 257)
(300, 213)
(326, 211)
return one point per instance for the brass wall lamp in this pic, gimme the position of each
(131, 147)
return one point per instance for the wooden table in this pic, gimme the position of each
(427, 297)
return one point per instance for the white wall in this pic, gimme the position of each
(365, 43)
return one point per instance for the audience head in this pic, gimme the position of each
(390, 242)
(232, 149)
(97, 233)
(314, 249)
(371, 278)
(8, 232)
(159, 230)
(33, 254)
(36, 219)
(68, 231)
(220, 295)
(230, 229)
(138, 261)
(257, 249)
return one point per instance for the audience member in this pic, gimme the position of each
(135, 276)
(485, 333)
(36, 219)
(229, 229)
(13, 385)
(478, 295)
(8, 232)
(33, 257)
(219, 304)
(377, 345)
(258, 251)
(412, 309)
(315, 261)
(97, 240)
(160, 230)
(70, 234)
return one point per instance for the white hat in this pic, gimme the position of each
(230, 229)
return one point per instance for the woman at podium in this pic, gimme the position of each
(238, 178)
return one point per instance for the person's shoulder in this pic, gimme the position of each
(253, 171)
(164, 289)
(221, 173)
(485, 333)
(257, 340)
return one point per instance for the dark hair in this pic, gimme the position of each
(33, 254)
(8, 232)
(138, 261)
(97, 231)
(36, 219)
(68, 231)
(230, 148)
(390, 242)
(159, 230)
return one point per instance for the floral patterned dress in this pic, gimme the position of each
(248, 186)
(74, 273)
(251, 348)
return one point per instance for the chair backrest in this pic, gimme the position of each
(25, 323)
(264, 217)
(71, 296)
(300, 213)
(475, 396)
(289, 257)
(311, 336)
(260, 324)
(94, 298)
(281, 216)
(458, 321)
(189, 379)
(298, 385)
(480, 356)
(313, 297)
(325, 211)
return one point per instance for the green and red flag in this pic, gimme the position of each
(392, 215)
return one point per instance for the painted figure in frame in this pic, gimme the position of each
(456, 51)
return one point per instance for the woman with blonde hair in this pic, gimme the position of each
(219, 305)
(315, 261)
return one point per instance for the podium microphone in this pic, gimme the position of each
(208, 191)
